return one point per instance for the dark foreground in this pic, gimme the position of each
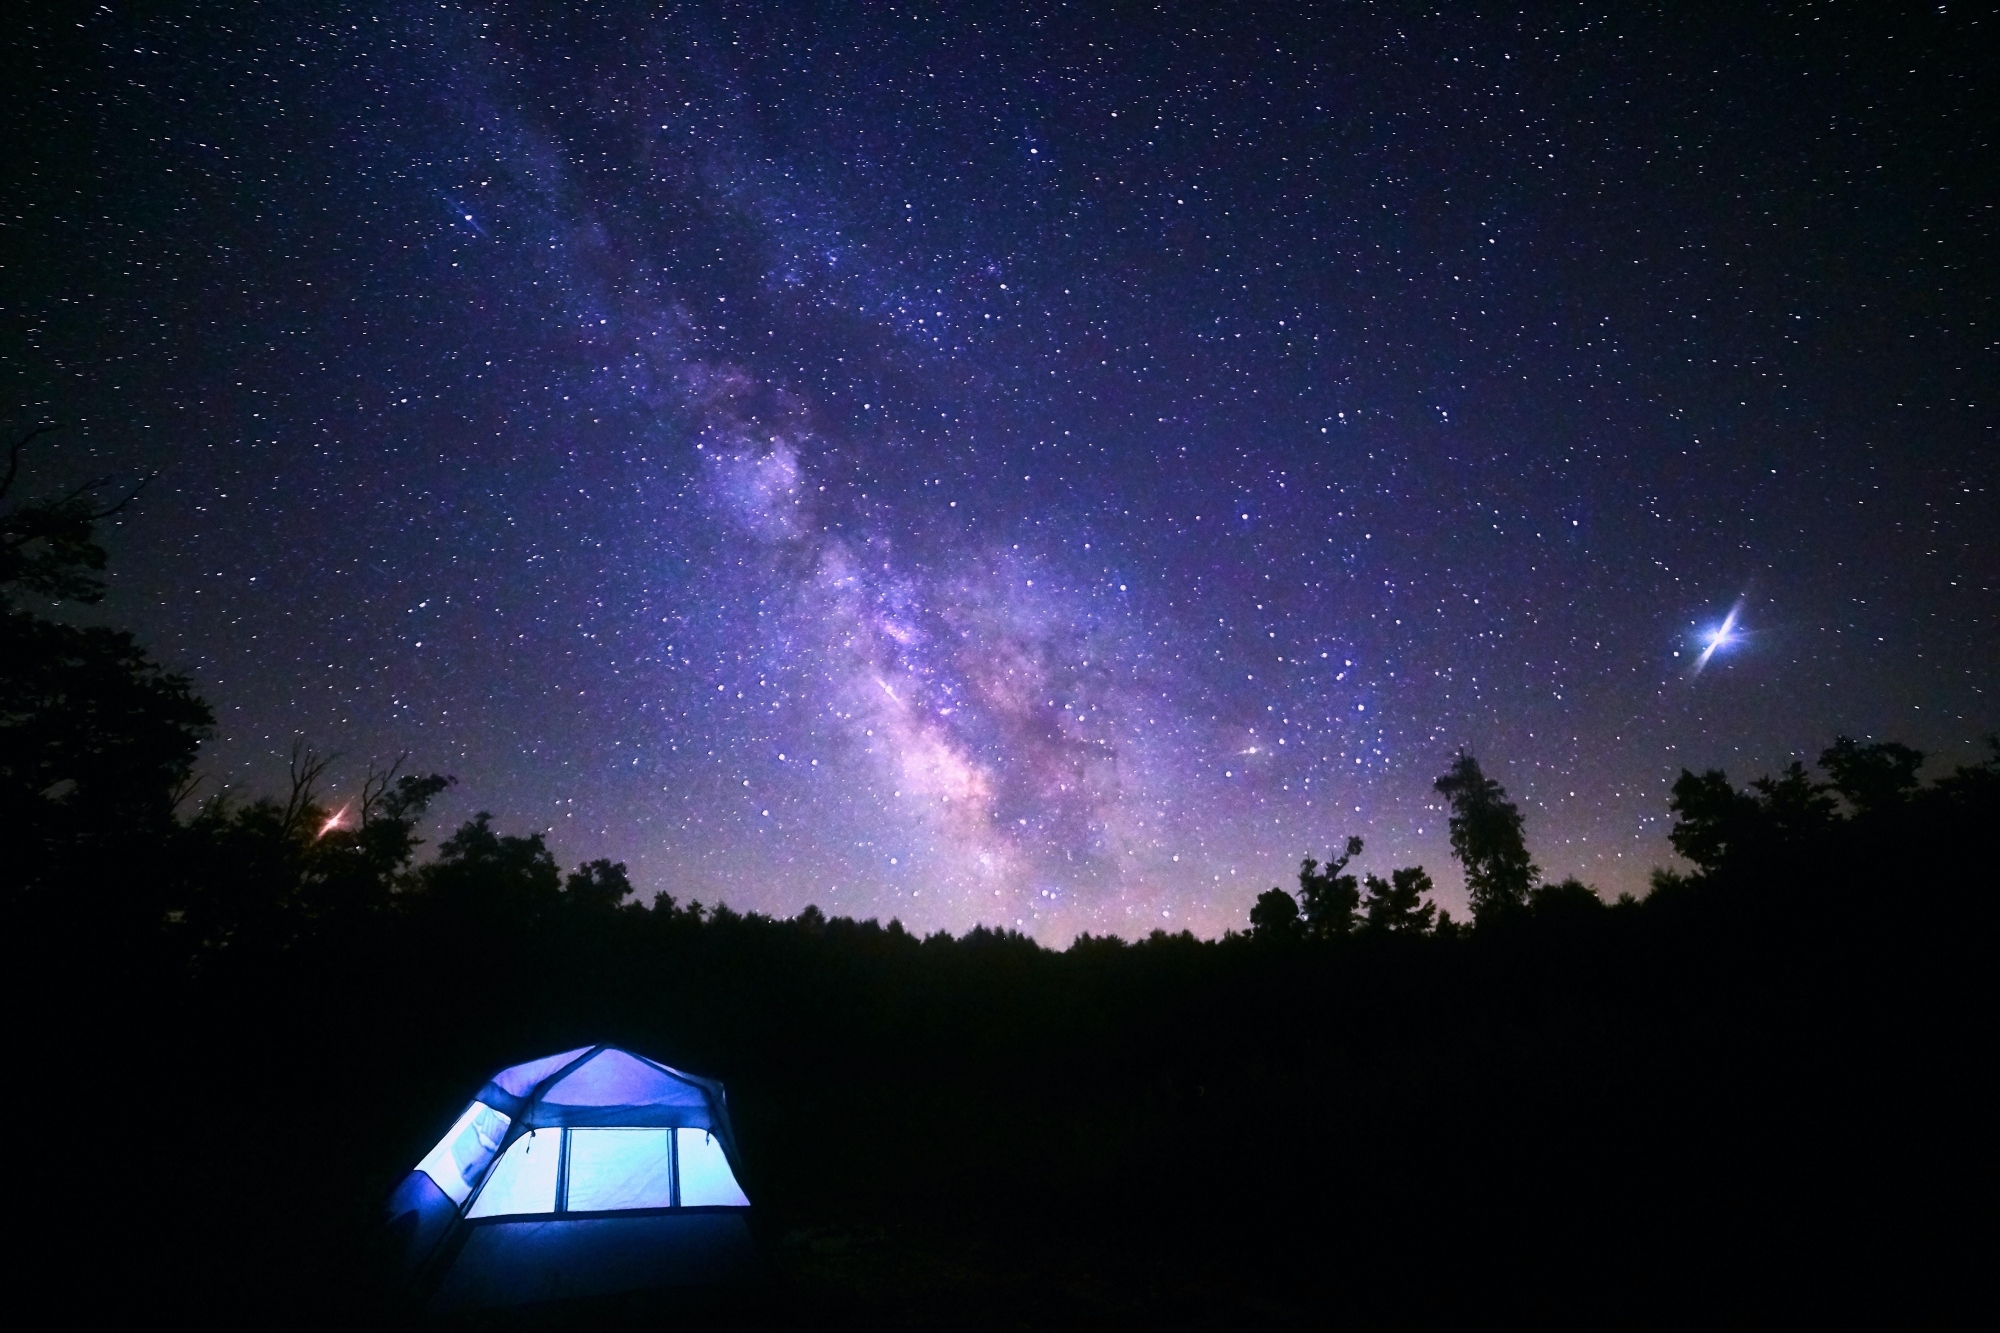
(1751, 1095)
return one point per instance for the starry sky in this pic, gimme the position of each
(1047, 465)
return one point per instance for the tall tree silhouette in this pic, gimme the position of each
(96, 738)
(49, 547)
(1329, 894)
(1486, 838)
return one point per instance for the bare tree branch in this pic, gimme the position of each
(79, 491)
(307, 767)
(14, 453)
(377, 784)
(184, 789)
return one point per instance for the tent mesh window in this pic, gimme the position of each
(510, 1206)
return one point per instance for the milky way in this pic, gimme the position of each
(1031, 466)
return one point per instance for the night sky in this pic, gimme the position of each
(1040, 465)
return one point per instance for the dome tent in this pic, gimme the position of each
(588, 1173)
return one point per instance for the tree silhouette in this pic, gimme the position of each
(96, 739)
(1712, 818)
(1487, 839)
(1568, 898)
(1329, 894)
(1399, 905)
(1971, 787)
(1715, 823)
(600, 885)
(1872, 777)
(49, 547)
(482, 874)
(266, 874)
(1275, 916)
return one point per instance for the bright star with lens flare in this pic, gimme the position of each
(335, 820)
(1722, 636)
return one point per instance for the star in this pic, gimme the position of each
(1722, 636)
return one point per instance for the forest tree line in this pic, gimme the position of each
(98, 744)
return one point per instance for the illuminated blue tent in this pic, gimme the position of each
(588, 1173)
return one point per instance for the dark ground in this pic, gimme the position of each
(1727, 1107)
